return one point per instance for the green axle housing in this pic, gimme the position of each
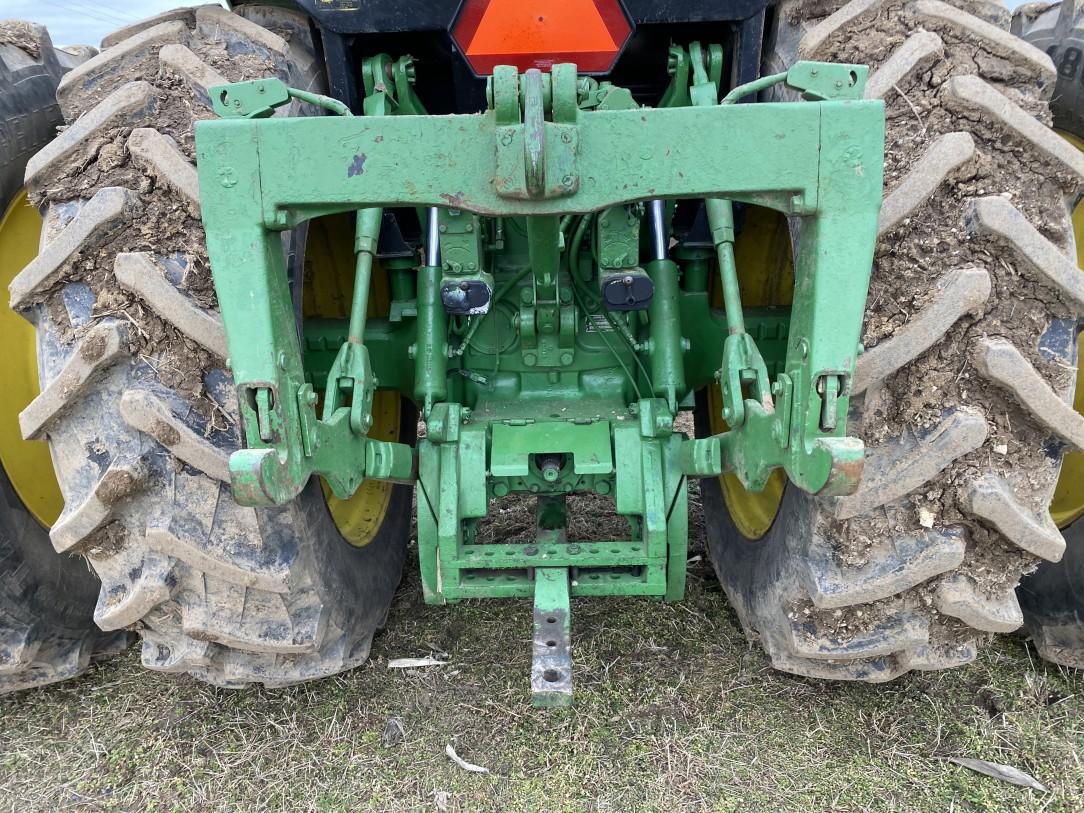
(552, 336)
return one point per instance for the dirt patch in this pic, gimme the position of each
(22, 35)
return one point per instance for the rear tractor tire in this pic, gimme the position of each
(963, 394)
(1052, 597)
(47, 631)
(137, 406)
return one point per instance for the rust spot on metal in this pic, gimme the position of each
(357, 166)
(455, 201)
(844, 478)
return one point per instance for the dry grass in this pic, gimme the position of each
(674, 712)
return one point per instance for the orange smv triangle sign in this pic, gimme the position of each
(512, 26)
(541, 33)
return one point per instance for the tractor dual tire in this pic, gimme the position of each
(1052, 597)
(47, 631)
(137, 405)
(963, 394)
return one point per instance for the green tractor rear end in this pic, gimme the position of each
(300, 261)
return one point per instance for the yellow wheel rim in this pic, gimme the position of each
(28, 464)
(766, 276)
(329, 283)
(1068, 503)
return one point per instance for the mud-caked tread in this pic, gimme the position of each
(1052, 598)
(997, 218)
(137, 272)
(108, 211)
(1000, 362)
(895, 469)
(160, 157)
(231, 594)
(960, 597)
(199, 76)
(79, 87)
(151, 415)
(938, 16)
(962, 396)
(94, 353)
(47, 631)
(945, 155)
(960, 292)
(122, 479)
(990, 500)
(186, 15)
(918, 52)
(130, 104)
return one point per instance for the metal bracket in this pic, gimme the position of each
(820, 81)
(536, 159)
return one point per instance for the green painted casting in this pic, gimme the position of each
(563, 186)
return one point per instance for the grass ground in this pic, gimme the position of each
(674, 712)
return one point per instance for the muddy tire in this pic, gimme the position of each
(137, 405)
(963, 394)
(1053, 602)
(47, 631)
(1052, 598)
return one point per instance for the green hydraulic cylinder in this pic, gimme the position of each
(667, 367)
(366, 234)
(721, 220)
(431, 349)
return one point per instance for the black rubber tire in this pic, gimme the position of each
(1053, 602)
(47, 630)
(1058, 30)
(138, 408)
(960, 394)
(1052, 598)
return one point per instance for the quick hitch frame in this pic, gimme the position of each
(820, 160)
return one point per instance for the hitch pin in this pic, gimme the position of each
(828, 386)
(263, 413)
